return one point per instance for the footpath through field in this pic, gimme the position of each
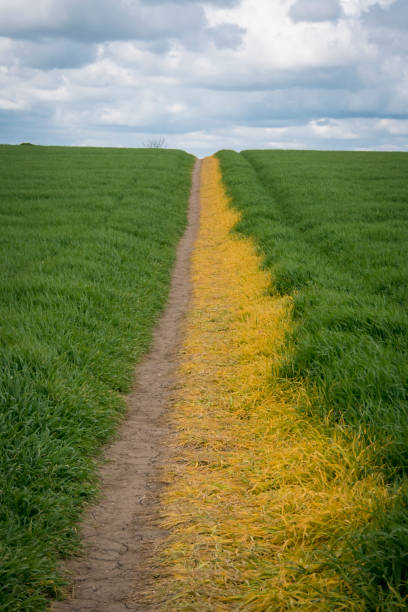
(253, 489)
(120, 532)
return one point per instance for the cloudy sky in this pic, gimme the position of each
(321, 74)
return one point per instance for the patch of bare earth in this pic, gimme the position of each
(121, 532)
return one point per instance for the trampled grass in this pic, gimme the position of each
(88, 240)
(333, 229)
(256, 489)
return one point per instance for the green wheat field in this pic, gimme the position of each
(88, 239)
(333, 228)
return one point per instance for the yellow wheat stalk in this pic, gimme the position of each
(254, 489)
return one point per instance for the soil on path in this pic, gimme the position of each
(121, 532)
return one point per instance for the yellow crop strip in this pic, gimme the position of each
(254, 489)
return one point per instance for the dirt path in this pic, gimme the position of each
(120, 532)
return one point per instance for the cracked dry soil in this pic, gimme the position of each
(121, 532)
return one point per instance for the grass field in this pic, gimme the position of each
(87, 244)
(333, 229)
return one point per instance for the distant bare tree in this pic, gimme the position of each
(155, 143)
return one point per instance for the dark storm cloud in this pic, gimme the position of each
(315, 10)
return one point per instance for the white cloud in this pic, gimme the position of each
(12, 104)
(273, 41)
(332, 129)
(209, 75)
(356, 8)
(394, 126)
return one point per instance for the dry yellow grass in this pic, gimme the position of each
(254, 489)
